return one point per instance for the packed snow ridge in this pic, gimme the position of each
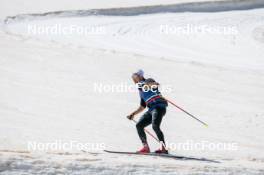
(207, 6)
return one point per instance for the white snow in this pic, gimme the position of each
(14, 7)
(47, 90)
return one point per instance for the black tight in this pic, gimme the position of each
(155, 117)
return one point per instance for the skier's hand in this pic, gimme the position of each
(131, 116)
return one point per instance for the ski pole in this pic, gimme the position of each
(186, 112)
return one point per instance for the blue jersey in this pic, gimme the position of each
(150, 97)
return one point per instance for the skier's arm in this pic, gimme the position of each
(139, 110)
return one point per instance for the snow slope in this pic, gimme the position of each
(47, 92)
(14, 7)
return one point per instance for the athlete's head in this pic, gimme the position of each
(138, 76)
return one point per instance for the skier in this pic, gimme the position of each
(149, 97)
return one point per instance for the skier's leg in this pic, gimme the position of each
(157, 115)
(144, 121)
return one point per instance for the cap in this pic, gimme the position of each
(140, 73)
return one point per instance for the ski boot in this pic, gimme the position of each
(144, 150)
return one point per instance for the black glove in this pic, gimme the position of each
(131, 116)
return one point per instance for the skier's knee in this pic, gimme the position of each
(139, 126)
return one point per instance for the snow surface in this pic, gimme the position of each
(47, 92)
(14, 7)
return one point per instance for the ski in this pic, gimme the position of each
(164, 156)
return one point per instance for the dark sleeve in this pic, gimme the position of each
(142, 103)
(151, 80)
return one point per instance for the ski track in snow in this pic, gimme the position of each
(46, 85)
(87, 163)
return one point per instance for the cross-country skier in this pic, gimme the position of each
(149, 97)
